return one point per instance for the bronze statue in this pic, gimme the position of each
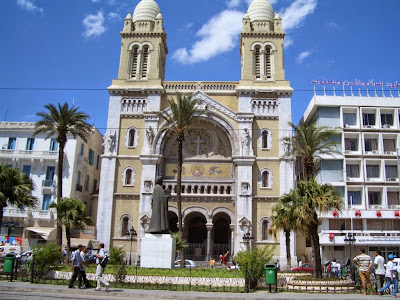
(159, 222)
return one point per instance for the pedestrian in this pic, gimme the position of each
(100, 270)
(76, 265)
(85, 264)
(212, 263)
(391, 277)
(379, 263)
(225, 259)
(335, 267)
(364, 263)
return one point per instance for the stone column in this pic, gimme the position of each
(209, 227)
(232, 226)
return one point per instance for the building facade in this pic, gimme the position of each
(233, 172)
(365, 172)
(38, 157)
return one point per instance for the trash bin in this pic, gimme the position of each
(9, 263)
(270, 274)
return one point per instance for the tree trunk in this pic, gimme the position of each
(178, 196)
(59, 186)
(1, 213)
(313, 231)
(68, 234)
(288, 254)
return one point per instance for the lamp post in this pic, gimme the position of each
(130, 234)
(10, 224)
(350, 241)
(248, 238)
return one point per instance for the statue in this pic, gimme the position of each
(245, 138)
(108, 141)
(159, 222)
(150, 135)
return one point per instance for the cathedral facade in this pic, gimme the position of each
(233, 171)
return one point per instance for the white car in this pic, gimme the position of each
(190, 264)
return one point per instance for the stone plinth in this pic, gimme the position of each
(157, 251)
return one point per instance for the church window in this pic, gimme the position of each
(131, 137)
(264, 229)
(135, 55)
(257, 63)
(266, 141)
(215, 190)
(124, 224)
(265, 178)
(268, 69)
(189, 189)
(228, 190)
(209, 189)
(145, 61)
(129, 176)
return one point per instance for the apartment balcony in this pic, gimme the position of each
(13, 212)
(28, 154)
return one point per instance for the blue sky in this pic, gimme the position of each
(51, 51)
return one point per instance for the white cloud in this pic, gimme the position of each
(288, 41)
(233, 3)
(219, 35)
(95, 1)
(94, 25)
(112, 16)
(302, 56)
(294, 15)
(29, 6)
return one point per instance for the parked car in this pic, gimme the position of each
(304, 268)
(24, 257)
(189, 264)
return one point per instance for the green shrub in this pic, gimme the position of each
(255, 259)
(117, 256)
(47, 257)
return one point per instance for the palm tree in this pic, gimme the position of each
(284, 219)
(308, 144)
(15, 189)
(313, 198)
(71, 213)
(178, 121)
(61, 121)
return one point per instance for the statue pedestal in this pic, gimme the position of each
(158, 251)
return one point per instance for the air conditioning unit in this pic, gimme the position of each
(389, 152)
(392, 179)
(347, 151)
(369, 126)
(348, 178)
(346, 125)
(374, 151)
(386, 126)
(376, 207)
(394, 206)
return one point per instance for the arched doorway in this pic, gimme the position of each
(173, 221)
(221, 234)
(196, 236)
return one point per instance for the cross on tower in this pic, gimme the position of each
(198, 141)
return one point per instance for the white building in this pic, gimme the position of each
(38, 157)
(365, 173)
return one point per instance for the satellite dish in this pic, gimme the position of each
(4, 146)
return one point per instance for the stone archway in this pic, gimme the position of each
(173, 221)
(195, 233)
(221, 234)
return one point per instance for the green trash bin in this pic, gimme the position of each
(9, 263)
(270, 274)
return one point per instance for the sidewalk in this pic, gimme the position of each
(25, 288)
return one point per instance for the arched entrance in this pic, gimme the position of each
(196, 235)
(173, 221)
(221, 234)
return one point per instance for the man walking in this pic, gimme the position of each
(83, 269)
(100, 270)
(364, 263)
(379, 263)
(76, 264)
(391, 277)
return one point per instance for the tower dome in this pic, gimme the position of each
(260, 10)
(146, 10)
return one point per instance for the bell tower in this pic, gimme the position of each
(261, 45)
(143, 47)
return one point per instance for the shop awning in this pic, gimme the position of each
(47, 233)
(89, 243)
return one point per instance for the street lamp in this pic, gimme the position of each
(130, 234)
(248, 238)
(350, 241)
(10, 224)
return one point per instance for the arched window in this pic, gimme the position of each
(265, 224)
(268, 68)
(257, 62)
(145, 61)
(134, 59)
(266, 178)
(128, 176)
(125, 222)
(266, 140)
(131, 137)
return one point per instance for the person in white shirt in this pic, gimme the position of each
(100, 270)
(83, 269)
(76, 264)
(335, 267)
(379, 263)
(391, 277)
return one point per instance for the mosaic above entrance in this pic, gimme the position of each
(200, 171)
